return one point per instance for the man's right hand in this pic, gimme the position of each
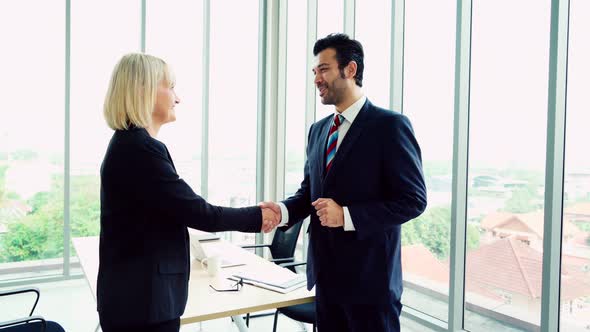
(271, 215)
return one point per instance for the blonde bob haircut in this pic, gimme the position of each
(132, 90)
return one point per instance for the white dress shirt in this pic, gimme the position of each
(349, 115)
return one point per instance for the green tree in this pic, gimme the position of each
(432, 229)
(39, 234)
(36, 236)
(24, 155)
(523, 200)
(583, 225)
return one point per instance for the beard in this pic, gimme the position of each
(333, 95)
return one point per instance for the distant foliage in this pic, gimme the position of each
(432, 229)
(39, 235)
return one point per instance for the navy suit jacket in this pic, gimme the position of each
(377, 175)
(144, 244)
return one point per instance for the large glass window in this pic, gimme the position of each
(94, 53)
(296, 86)
(330, 19)
(372, 29)
(233, 105)
(575, 259)
(174, 32)
(508, 122)
(429, 57)
(31, 138)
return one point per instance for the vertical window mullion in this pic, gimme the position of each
(310, 93)
(556, 113)
(280, 138)
(205, 99)
(261, 112)
(349, 17)
(460, 163)
(66, 227)
(396, 68)
(143, 25)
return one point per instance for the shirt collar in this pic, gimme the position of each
(353, 110)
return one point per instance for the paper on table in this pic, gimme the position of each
(275, 276)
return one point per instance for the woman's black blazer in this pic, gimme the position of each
(144, 244)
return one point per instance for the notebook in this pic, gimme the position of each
(277, 278)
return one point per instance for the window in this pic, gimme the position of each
(429, 57)
(32, 138)
(373, 20)
(93, 57)
(508, 113)
(296, 85)
(233, 105)
(330, 19)
(174, 33)
(575, 259)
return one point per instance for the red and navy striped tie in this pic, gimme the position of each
(332, 141)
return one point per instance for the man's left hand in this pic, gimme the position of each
(331, 214)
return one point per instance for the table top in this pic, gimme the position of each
(204, 303)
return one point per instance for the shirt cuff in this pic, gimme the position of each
(284, 215)
(348, 225)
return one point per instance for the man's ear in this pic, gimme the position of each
(350, 69)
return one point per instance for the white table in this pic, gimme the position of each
(203, 302)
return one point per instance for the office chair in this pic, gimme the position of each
(282, 250)
(301, 312)
(284, 242)
(30, 323)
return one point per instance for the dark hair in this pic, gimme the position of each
(346, 50)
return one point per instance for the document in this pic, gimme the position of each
(276, 278)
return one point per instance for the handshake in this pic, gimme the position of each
(271, 215)
(330, 214)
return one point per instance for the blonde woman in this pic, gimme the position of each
(146, 208)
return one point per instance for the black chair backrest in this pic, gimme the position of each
(284, 241)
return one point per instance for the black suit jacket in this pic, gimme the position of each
(377, 174)
(144, 244)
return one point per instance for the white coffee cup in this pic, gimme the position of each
(213, 265)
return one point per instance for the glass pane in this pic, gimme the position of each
(575, 260)
(94, 53)
(31, 138)
(507, 164)
(330, 20)
(175, 33)
(233, 106)
(296, 85)
(373, 30)
(330, 17)
(429, 58)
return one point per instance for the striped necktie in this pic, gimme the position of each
(332, 141)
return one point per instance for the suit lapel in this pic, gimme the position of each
(352, 135)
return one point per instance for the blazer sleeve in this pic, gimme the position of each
(165, 191)
(405, 197)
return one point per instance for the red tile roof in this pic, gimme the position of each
(531, 223)
(579, 209)
(506, 265)
(512, 266)
(581, 239)
(419, 261)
